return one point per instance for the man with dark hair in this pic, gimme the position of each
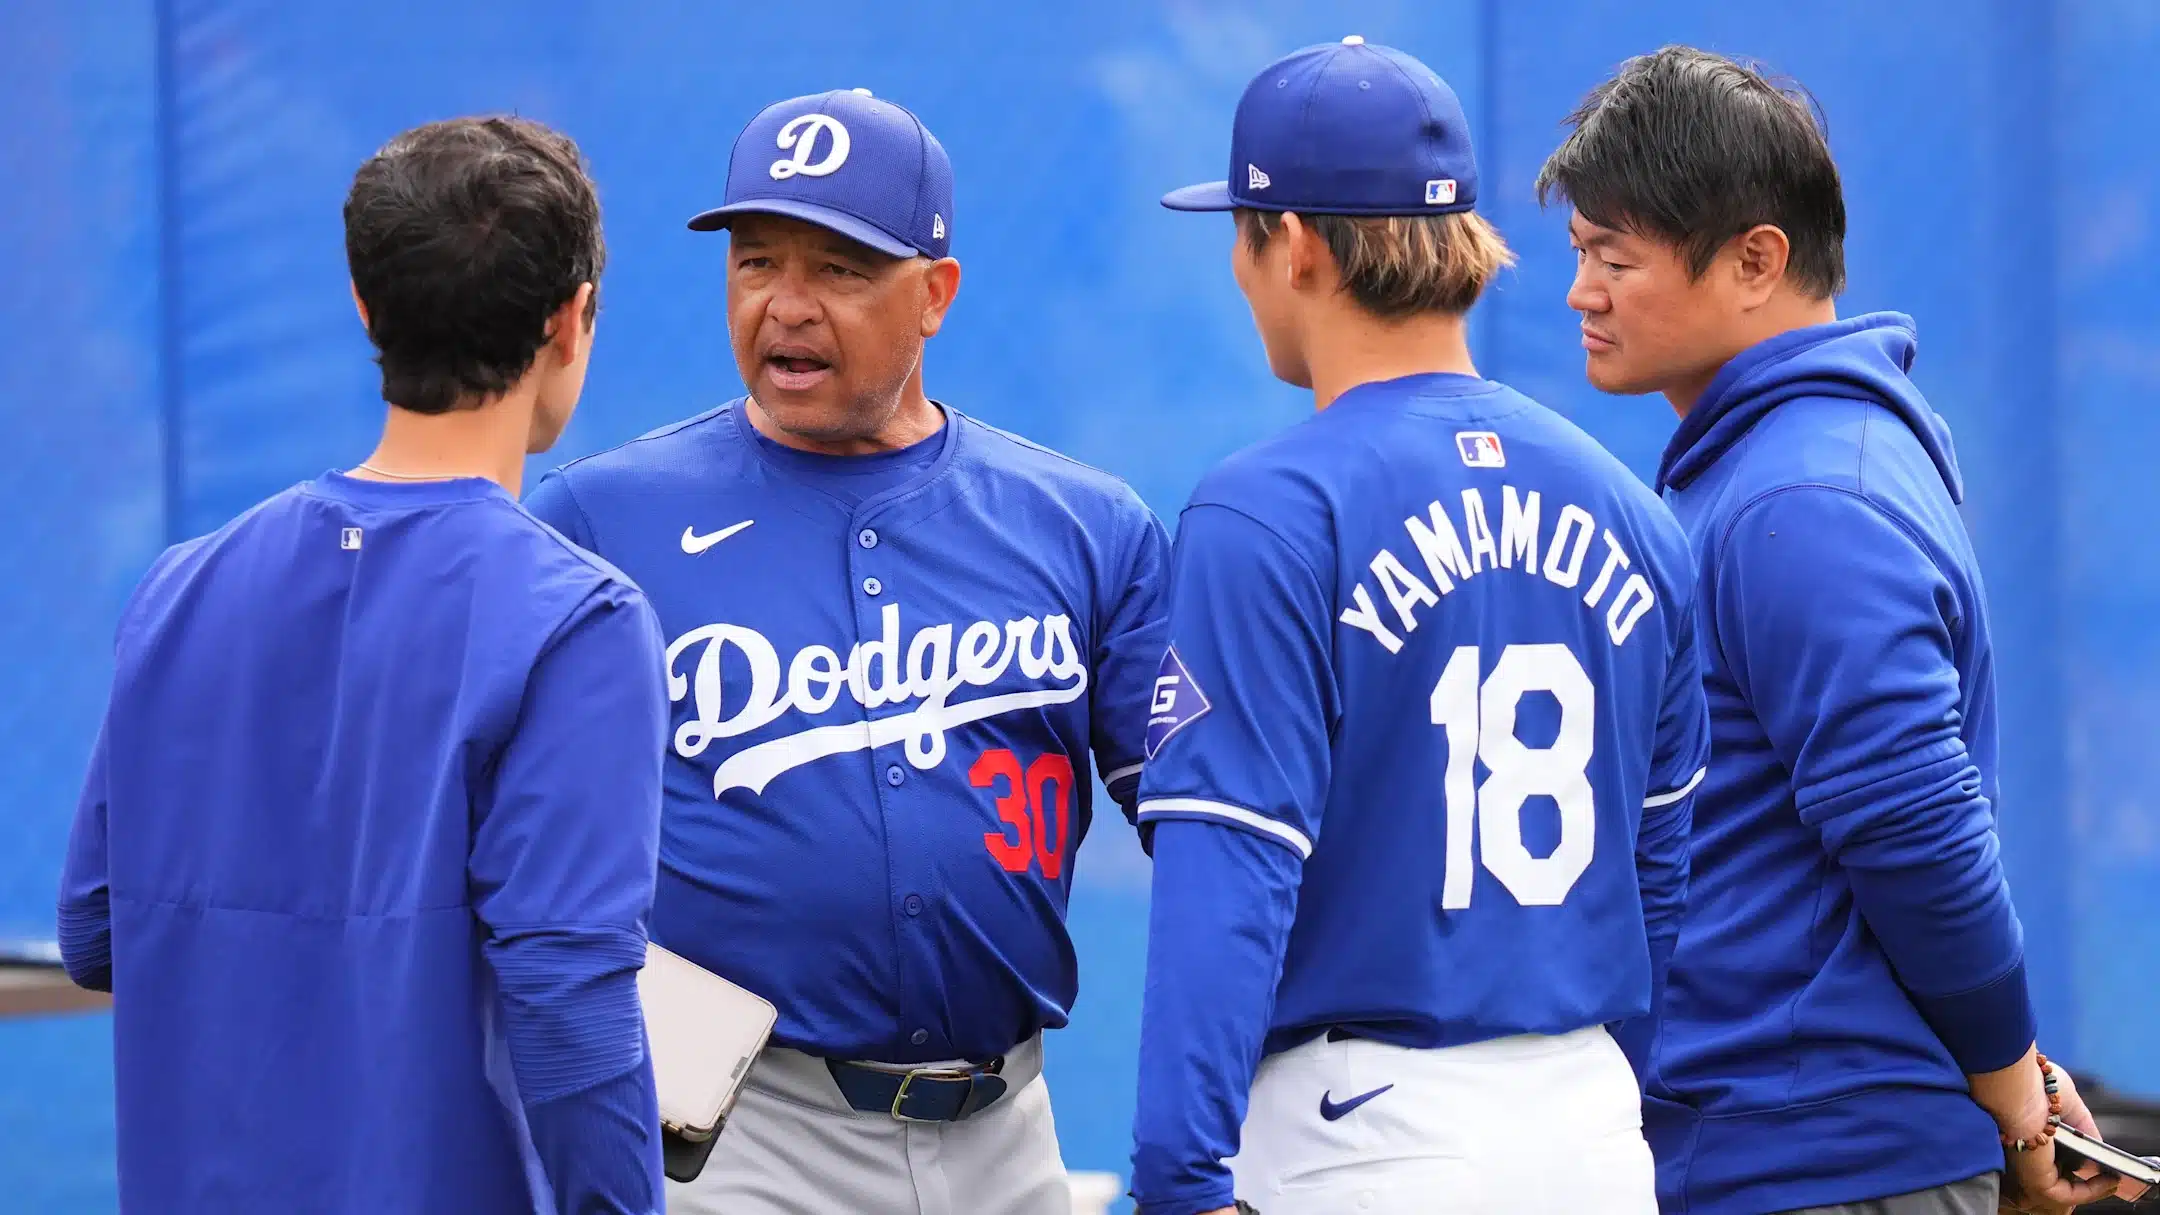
(1847, 1025)
(366, 850)
(1422, 748)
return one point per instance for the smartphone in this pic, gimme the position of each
(2141, 1169)
(704, 1032)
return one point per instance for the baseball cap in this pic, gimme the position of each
(1344, 128)
(845, 160)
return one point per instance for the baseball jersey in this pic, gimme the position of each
(1435, 647)
(889, 708)
(365, 854)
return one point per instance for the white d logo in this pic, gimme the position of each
(801, 134)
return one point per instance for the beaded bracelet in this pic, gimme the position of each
(2053, 1084)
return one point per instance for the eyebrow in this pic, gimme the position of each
(1596, 240)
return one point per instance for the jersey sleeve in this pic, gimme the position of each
(1678, 761)
(1244, 701)
(1837, 626)
(552, 502)
(1127, 651)
(563, 863)
(85, 910)
(1677, 765)
(1218, 923)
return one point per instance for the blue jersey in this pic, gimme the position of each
(365, 855)
(888, 691)
(1434, 648)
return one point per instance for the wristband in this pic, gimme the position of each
(2053, 1085)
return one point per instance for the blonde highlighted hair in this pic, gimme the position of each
(1400, 265)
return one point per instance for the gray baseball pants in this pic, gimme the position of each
(794, 1146)
(1972, 1196)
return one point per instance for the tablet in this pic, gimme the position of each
(705, 1033)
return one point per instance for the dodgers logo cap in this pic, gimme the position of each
(1344, 128)
(845, 160)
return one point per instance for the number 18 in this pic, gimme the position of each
(1480, 723)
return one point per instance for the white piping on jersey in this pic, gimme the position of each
(1666, 799)
(1111, 778)
(1235, 814)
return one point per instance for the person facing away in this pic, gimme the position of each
(1421, 756)
(1847, 1024)
(366, 850)
(899, 637)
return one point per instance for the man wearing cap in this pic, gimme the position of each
(898, 637)
(1420, 768)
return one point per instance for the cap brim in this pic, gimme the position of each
(810, 213)
(1207, 196)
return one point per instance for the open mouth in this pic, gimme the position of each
(795, 369)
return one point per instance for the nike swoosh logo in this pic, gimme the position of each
(693, 544)
(1331, 1110)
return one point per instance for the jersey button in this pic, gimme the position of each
(867, 538)
(872, 587)
(913, 904)
(895, 776)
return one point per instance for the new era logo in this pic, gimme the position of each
(937, 227)
(1440, 192)
(1255, 179)
(1480, 449)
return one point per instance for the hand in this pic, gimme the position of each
(2031, 1181)
(2075, 1114)
(2033, 1185)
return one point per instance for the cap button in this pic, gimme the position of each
(860, 92)
(1354, 40)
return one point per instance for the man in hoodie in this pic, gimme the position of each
(1847, 1025)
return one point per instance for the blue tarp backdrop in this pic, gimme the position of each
(180, 343)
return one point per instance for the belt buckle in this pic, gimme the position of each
(921, 1073)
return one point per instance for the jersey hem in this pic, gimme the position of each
(1874, 1144)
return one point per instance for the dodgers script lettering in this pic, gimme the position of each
(928, 668)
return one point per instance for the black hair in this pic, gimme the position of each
(463, 238)
(1694, 149)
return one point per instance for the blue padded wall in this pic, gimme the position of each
(184, 345)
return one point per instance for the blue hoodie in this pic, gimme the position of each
(1849, 953)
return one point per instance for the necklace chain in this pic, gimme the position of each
(395, 476)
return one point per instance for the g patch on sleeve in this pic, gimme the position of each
(1178, 703)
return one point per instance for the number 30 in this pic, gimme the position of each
(1026, 807)
(1480, 723)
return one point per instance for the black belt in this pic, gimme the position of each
(919, 1094)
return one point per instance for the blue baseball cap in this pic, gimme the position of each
(847, 161)
(1344, 128)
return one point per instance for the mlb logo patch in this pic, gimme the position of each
(1178, 703)
(1480, 449)
(1440, 192)
(349, 539)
